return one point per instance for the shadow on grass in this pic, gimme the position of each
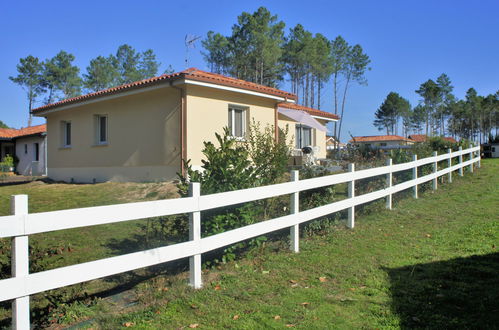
(460, 293)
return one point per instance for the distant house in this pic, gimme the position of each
(28, 145)
(422, 138)
(331, 143)
(143, 131)
(381, 141)
(490, 150)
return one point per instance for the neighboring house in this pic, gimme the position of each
(422, 138)
(28, 145)
(144, 130)
(490, 150)
(381, 141)
(331, 143)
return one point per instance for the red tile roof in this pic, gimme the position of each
(11, 133)
(423, 137)
(418, 137)
(379, 138)
(189, 74)
(312, 111)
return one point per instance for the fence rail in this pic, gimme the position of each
(21, 224)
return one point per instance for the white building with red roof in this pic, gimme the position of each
(28, 147)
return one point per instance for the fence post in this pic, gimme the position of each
(479, 155)
(415, 176)
(351, 194)
(195, 235)
(471, 158)
(389, 182)
(295, 208)
(449, 162)
(460, 161)
(435, 169)
(20, 264)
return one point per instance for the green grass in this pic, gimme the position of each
(429, 263)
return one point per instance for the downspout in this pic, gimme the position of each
(276, 127)
(183, 153)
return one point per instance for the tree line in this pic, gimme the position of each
(259, 50)
(58, 78)
(440, 112)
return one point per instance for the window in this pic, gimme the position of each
(101, 129)
(37, 152)
(66, 134)
(237, 121)
(25, 149)
(382, 144)
(303, 136)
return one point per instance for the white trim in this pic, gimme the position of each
(324, 118)
(237, 90)
(42, 113)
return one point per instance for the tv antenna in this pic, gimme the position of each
(189, 43)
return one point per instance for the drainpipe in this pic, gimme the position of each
(276, 127)
(183, 153)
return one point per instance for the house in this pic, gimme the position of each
(490, 150)
(27, 146)
(331, 143)
(422, 138)
(143, 131)
(381, 141)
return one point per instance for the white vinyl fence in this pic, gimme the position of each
(21, 224)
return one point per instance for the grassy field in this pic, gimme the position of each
(429, 263)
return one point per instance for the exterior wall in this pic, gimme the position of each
(143, 139)
(318, 137)
(207, 114)
(27, 164)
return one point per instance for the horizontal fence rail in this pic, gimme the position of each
(22, 224)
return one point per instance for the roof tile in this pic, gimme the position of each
(10, 133)
(190, 74)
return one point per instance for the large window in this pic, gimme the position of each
(101, 136)
(66, 134)
(303, 136)
(237, 121)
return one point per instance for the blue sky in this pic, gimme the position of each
(408, 42)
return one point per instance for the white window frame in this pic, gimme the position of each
(302, 128)
(64, 134)
(97, 130)
(232, 118)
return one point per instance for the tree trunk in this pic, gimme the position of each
(343, 104)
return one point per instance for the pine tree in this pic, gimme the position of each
(29, 77)
(102, 73)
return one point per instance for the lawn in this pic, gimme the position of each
(428, 263)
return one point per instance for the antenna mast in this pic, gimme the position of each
(189, 43)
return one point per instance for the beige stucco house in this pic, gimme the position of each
(142, 131)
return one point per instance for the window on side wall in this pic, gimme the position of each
(66, 134)
(37, 152)
(237, 121)
(25, 149)
(101, 131)
(303, 136)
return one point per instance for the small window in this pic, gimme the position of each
(66, 134)
(237, 121)
(101, 135)
(383, 144)
(303, 136)
(25, 149)
(37, 152)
